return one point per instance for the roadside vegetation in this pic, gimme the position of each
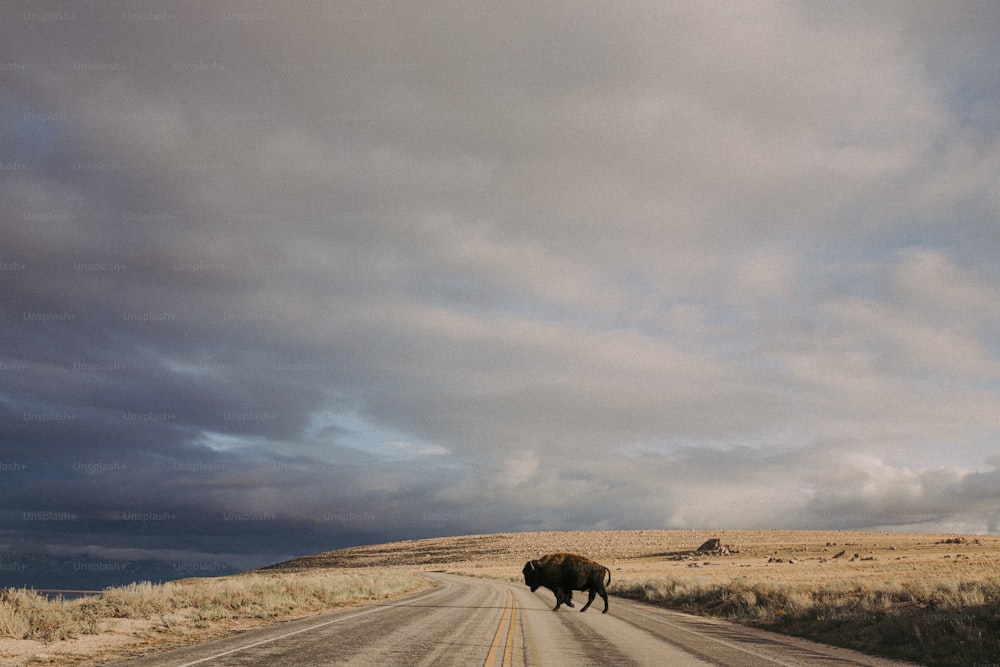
(927, 621)
(180, 606)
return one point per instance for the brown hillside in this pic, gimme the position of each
(797, 555)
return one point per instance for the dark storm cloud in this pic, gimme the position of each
(303, 276)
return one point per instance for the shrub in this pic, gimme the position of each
(25, 614)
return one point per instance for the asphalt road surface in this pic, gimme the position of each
(466, 621)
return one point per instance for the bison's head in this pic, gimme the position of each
(532, 575)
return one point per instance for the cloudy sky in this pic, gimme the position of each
(284, 277)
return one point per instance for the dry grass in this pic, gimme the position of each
(930, 599)
(945, 623)
(26, 615)
(191, 609)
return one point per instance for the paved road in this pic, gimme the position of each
(466, 621)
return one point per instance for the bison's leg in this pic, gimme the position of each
(559, 599)
(604, 595)
(590, 598)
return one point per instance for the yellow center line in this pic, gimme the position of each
(509, 649)
(509, 621)
(492, 655)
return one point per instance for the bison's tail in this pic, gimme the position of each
(609, 576)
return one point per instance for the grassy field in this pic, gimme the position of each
(930, 599)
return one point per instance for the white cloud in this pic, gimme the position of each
(409, 449)
(929, 282)
(861, 489)
(519, 469)
(768, 274)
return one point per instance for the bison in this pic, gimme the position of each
(564, 573)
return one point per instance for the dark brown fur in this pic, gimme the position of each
(564, 573)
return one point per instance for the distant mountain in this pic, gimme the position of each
(44, 571)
